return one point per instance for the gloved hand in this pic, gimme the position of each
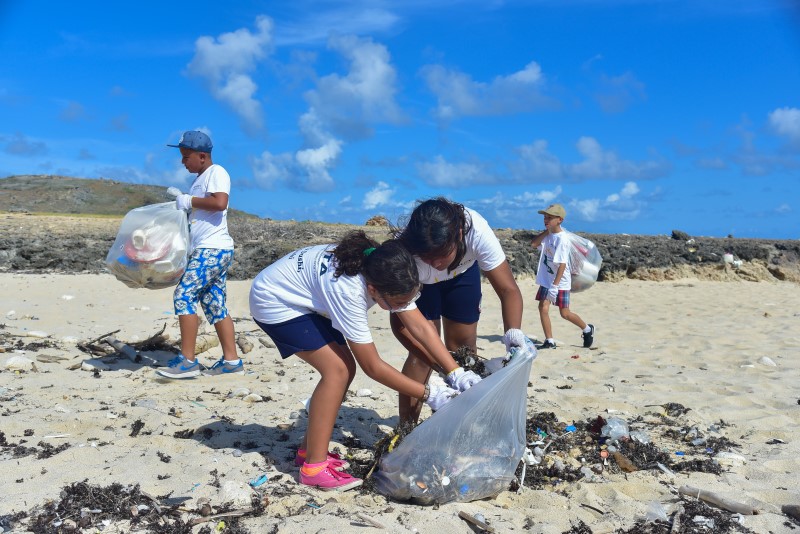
(184, 202)
(552, 294)
(174, 192)
(461, 380)
(440, 395)
(513, 338)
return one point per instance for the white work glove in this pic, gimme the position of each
(552, 294)
(513, 338)
(184, 202)
(461, 380)
(174, 192)
(439, 396)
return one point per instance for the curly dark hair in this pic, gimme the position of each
(388, 267)
(434, 228)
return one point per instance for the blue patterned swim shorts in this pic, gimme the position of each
(204, 282)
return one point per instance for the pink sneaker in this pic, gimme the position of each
(329, 480)
(335, 462)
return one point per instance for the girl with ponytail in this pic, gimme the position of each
(313, 303)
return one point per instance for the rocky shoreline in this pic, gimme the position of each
(79, 244)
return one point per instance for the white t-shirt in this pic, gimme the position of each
(482, 246)
(209, 229)
(554, 250)
(302, 282)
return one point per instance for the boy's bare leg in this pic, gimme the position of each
(544, 315)
(573, 318)
(227, 338)
(189, 325)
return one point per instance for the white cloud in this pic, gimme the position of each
(459, 95)
(348, 104)
(786, 122)
(537, 164)
(380, 195)
(226, 63)
(622, 205)
(441, 173)
(600, 163)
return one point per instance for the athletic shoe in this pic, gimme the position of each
(547, 345)
(221, 367)
(588, 337)
(180, 367)
(335, 462)
(329, 480)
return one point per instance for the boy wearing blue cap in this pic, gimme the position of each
(204, 281)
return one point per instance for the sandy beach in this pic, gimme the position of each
(726, 351)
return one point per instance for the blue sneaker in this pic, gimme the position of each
(180, 367)
(222, 367)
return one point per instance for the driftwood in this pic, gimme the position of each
(244, 344)
(232, 513)
(477, 522)
(676, 521)
(718, 501)
(370, 521)
(126, 350)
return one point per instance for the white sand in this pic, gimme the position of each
(696, 343)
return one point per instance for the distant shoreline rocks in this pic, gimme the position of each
(78, 244)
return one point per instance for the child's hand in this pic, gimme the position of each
(513, 338)
(440, 395)
(552, 294)
(462, 380)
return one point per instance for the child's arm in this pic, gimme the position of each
(539, 238)
(213, 202)
(559, 273)
(423, 332)
(368, 359)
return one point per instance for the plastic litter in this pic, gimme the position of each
(475, 442)
(585, 261)
(615, 429)
(258, 481)
(150, 250)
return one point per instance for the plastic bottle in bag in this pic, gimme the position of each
(151, 247)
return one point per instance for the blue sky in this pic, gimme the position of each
(638, 116)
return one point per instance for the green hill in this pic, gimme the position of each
(63, 194)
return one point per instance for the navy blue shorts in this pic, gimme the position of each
(307, 332)
(457, 299)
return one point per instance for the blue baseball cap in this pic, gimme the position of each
(195, 140)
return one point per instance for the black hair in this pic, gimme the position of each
(388, 266)
(434, 228)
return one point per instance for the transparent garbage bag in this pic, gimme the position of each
(584, 262)
(150, 250)
(470, 448)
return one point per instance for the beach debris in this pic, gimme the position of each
(267, 342)
(370, 521)
(766, 360)
(205, 342)
(94, 364)
(477, 520)
(123, 349)
(20, 363)
(245, 345)
(718, 501)
(364, 392)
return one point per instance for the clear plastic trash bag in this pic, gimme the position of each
(151, 247)
(584, 262)
(470, 448)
